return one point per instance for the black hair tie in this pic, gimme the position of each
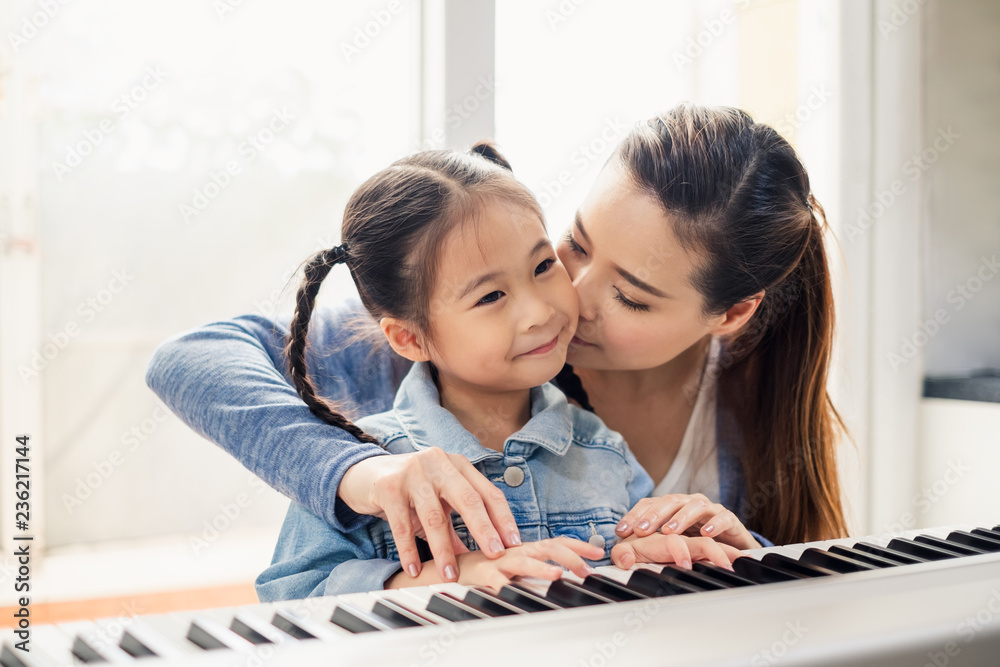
(336, 255)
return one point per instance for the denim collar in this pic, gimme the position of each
(418, 408)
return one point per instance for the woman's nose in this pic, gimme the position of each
(585, 294)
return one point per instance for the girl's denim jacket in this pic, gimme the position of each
(228, 381)
(563, 473)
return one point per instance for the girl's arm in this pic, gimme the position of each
(227, 381)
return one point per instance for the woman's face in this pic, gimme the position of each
(638, 309)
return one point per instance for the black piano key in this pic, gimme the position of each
(863, 556)
(611, 589)
(489, 604)
(978, 541)
(693, 578)
(997, 529)
(357, 621)
(924, 551)
(721, 575)
(248, 633)
(752, 569)
(287, 624)
(567, 595)
(525, 600)
(945, 545)
(399, 616)
(211, 636)
(984, 532)
(453, 609)
(831, 561)
(891, 554)
(653, 585)
(792, 566)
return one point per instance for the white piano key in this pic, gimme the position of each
(313, 616)
(140, 632)
(14, 657)
(227, 616)
(413, 602)
(56, 645)
(92, 644)
(212, 635)
(170, 630)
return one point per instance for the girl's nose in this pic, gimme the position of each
(540, 313)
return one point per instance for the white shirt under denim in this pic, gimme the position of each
(564, 474)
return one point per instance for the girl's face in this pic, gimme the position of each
(638, 309)
(503, 309)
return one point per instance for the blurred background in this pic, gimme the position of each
(165, 165)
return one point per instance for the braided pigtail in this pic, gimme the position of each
(316, 271)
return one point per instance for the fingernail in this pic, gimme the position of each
(449, 572)
(686, 564)
(414, 572)
(643, 525)
(709, 528)
(515, 539)
(672, 525)
(622, 527)
(588, 569)
(496, 546)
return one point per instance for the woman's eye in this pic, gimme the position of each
(573, 245)
(628, 303)
(544, 266)
(492, 297)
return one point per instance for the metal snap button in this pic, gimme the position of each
(513, 476)
(597, 540)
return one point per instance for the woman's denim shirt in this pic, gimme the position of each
(563, 473)
(229, 381)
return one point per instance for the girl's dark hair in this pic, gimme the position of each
(737, 195)
(393, 228)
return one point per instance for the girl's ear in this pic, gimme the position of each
(404, 339)
(734, 318)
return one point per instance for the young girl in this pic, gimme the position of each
(450, 256)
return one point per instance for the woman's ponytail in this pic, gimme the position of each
(738, 195)
(789, 423)
(317, 269)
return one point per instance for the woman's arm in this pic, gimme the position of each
(227, 381)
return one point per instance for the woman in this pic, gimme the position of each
(705, 334)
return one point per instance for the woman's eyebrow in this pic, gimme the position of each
(631, 279)
(640, 283)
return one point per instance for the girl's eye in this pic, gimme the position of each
(492, 297)
(573, 245)
(628, 303)
(544, 266)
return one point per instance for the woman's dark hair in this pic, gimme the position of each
(393, 229)
(738, 196)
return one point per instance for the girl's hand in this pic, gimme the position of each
(530, 561)
(683, 514)
(679, 549)
(416, 494)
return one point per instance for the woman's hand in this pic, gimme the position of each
(682, 514)
(416, 494)
(679, 549)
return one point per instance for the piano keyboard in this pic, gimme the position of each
(923, 597)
